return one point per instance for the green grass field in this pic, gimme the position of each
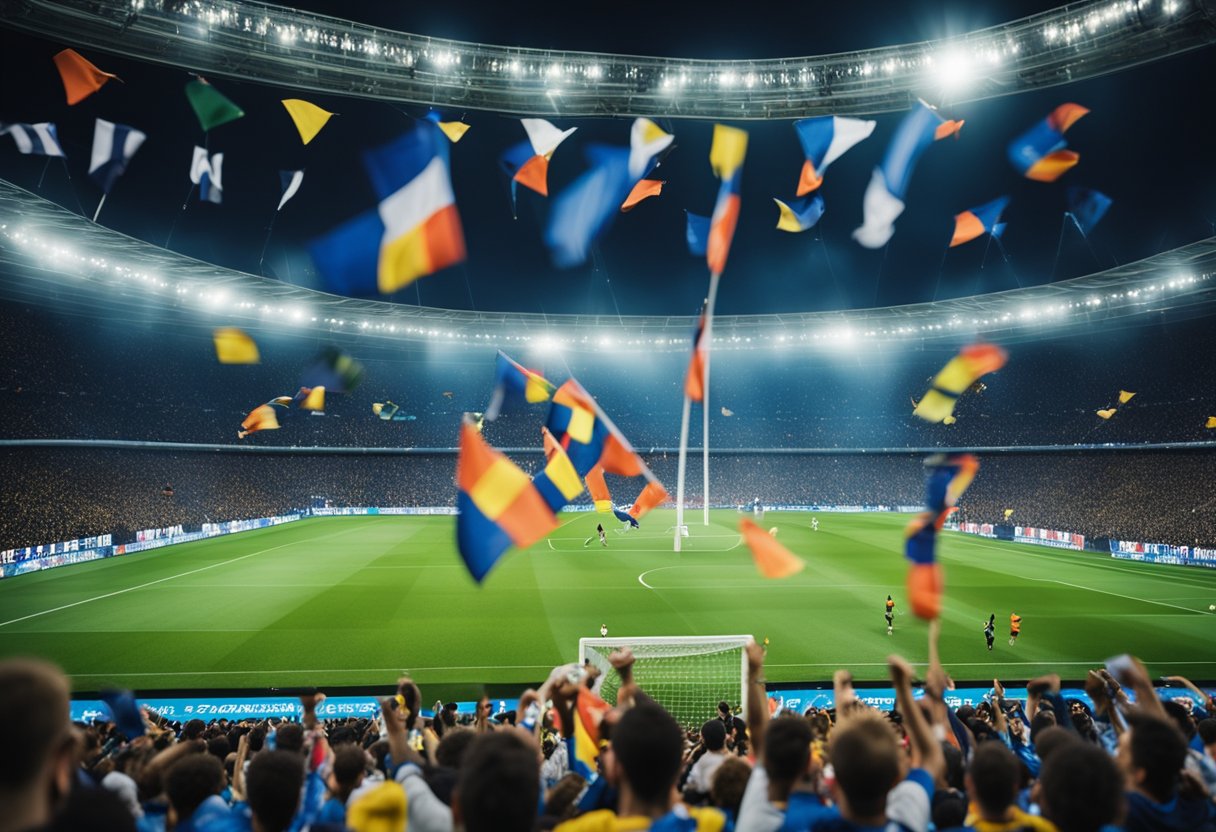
(354, 601)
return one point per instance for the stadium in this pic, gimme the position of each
(497, 394)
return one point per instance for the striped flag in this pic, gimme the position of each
(113, 147)
(291, 181)
(34, 139)
(726, 157)
(207, 172)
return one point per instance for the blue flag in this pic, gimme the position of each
(1087, 207)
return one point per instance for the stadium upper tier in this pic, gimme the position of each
(153, 376)
(46, 249)
(262, 42)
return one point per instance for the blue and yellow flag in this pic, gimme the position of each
(580, 429)
(513, 382)
(946, 478)
(1041, 153)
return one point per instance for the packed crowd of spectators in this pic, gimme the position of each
(55, 494)
(1032, 763)
(160, 381)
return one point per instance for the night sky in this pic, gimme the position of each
(1145, 144)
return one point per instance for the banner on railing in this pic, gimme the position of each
(1048, 537)
(359, 511)
(84, 544)
(1163, 553)
(257, 708)
(799, 701)
(981, 529)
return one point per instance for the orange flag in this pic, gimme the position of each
(772, 559)
(652, 495)
(80, 78)
(644, 189)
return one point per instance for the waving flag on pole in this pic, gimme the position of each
(644, 189)
(1087, 207)
(799, 214)
(647, 142)
(34, 139)
(597, 488)
(696, 232)
(694, 379)
(498, 505)
(80, 78)
(261, 417)
(772, 559)
(884, 197)
(975, 222)
(207, 172)
(307, 117)
(946, 478)
(113, 147)
(585, 433)
(652, 496)
(1041, 153)
(513, 382)
(211, 107)
(290, 180)
(824, 140)
(960, 373)
(726, 156)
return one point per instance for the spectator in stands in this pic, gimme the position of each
(728, 786)
(37, 766)
(499, 785)
(713, 742)
(992, 781)
(194, 785)
(1152, 755)
(346, 774)
(1080, 789)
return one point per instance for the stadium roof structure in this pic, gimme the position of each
(50, 255)
(260, 42)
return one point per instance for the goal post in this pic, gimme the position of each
(687, 675)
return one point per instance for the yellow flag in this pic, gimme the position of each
(1211, 423)
(1125, 397)
(309, 118)
(454, 130)
(1106, 414)
(315, 400)
(727, 152)
(233, 346)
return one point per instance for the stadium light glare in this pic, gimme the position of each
(953, 70)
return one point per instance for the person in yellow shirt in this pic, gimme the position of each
(643, 761)
(1015, 627)
(992, 782)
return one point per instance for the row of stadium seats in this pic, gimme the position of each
(69, 493)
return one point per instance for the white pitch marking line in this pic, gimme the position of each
(154, 583)
(331, 670)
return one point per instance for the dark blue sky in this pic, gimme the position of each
(1144, 144)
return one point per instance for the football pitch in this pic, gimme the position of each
(354, 601)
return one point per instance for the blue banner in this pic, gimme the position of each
(258, 708)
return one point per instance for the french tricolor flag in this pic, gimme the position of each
(113, 147)
(34, 139)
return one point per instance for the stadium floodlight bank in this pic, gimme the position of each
(687, 675)
(104, 272)
(256, 41)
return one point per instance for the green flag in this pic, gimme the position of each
(210, 105)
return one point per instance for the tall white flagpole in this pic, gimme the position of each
(707, 337)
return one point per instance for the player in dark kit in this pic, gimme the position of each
(889, 614)
(990, 630)
(599, 529)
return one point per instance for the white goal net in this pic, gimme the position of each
(687, 675)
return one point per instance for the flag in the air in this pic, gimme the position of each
(825, 139)
(454, 130)
(644, 189)
(234, 346)
(498, 505)
(884, 197)
(1087, 207)
(946, 478)
(1041, 153)
(113, 147)
(959, 374)
(307, 117)
(975, 222)
(589, 711)
(40, 139)
(647, 144)
(582, 430)
(584, 210)
(652, 496)
(1210, 423)
(290, 181)
(558, 483)
(799, 214)
(548, 443)
(596, 487)
(513, 383)
(80, 78)
(1125, 396)
(696, 232)
(772, 559)
(527, 163)
(261, 417)
(694, 379)
(207, 171)
(625, 517)
(726, 156)
(211, 107)
(1008, 513)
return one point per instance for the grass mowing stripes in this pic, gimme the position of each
(356, 600)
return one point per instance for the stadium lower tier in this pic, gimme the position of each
(55, 494)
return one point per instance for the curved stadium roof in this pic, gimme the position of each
(48, 249)
(261, 42)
